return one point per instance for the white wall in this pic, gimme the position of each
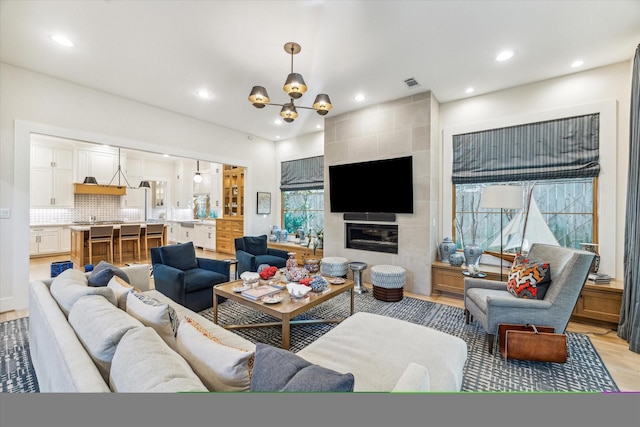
(33, 102)
(606, 90)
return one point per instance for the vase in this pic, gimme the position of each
(312, 265)
(595, 264)
(291, 262)
(456, 259)
(472, 254)
(447, 248)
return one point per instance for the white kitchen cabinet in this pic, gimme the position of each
(187, 234)
(173, 232)
(183, 184)
(65, 239)
(51, 177)
(206, 236)
(135, 196)
(44, 240)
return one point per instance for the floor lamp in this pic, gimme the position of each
(502, 197)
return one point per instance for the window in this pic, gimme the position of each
(563, 210)
(302, 186)
(303, 209)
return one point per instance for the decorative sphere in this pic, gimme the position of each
(456, 259)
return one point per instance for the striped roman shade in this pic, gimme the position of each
(555, 149)
(302, 174)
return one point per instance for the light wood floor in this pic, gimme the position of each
(623, 364)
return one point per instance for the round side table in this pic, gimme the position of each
(357, 268)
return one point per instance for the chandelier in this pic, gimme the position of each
(295, 87)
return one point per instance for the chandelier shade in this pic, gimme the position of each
(295, 87)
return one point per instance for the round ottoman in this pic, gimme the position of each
(388, 282)
(334, 266)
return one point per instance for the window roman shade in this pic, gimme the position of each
(555, 149)
(302, 174)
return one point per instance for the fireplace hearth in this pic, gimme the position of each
(372, 237)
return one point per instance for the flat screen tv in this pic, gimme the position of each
(378, 186)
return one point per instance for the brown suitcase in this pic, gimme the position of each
(530, 342)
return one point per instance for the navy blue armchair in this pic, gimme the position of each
(252, 251)
(185, 278)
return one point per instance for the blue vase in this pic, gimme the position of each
(447, 248)
(472, 254)
(456, 259)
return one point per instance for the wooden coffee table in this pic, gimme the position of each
(285, 310)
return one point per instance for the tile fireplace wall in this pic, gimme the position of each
(393, 129)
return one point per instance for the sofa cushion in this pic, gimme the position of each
(144, 363)
(100, 325)
(103, 272)
(255, 245)
(197, 279)
(219, 366)
(121, 289)
(181, 256)
(276, 369)
(414, 378)
(72, 284)
(529, 278)
(151, 312)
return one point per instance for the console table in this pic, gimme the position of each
(597, 304)
(302, 252)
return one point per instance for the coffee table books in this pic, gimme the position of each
(259, 292)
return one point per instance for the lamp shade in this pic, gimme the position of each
(289, 113)
(322, 104)
(90, 180)
(259, 97)
(295, 85)
(144, 184)
(502, 197)
(197, 177)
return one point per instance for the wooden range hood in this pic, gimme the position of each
(110, 190)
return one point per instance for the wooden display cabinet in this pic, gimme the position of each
(233, 191)
(227, 230)
(598, 304)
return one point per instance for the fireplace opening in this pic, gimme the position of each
(372, 237)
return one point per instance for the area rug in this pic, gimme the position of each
(584, 370)
(16, 370)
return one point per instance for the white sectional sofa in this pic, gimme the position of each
(382, 353)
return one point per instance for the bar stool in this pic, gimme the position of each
(129, 233)
(153, 232)
(100, 234)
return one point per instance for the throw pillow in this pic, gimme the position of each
(100, 325)
(276, 369)
(219, 366)
(529, 278)
(181, 256)
(103, 272)
(70, 285)
(159, 316)
(121, 289)
(143, 363)
(256, 245)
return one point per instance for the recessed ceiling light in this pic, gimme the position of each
(165, 155)
(62, 40)
(277, 136)
(359, 97)
(277, 121)
(577, 63)
(318, 126)
(205, 94)
(503, 56)
(469, 90)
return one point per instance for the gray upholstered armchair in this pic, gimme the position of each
(489, 303)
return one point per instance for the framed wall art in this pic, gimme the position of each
(264, 203)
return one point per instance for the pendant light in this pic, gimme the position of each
(119, 173)
(295, 87)
(197, 177)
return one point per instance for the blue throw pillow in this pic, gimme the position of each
(255, 245)
(181, 256)
(103, 272)
(276, 369)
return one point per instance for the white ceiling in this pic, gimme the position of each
(161, 53)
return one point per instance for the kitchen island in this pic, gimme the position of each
(80, 248)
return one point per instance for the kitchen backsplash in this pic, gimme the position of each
(105, 208)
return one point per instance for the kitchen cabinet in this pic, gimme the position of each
(173, 232)
(183, 184)
(65, 239)
(227, 230)
(134, 198)
(51, 177)
(44, 240)
(233, 191)
(187, 233)
(205, 236)
(100, 164)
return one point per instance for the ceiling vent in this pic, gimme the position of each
(411, 82)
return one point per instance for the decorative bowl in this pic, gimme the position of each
(294, 274)
(297, 291)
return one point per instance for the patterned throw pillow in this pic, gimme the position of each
(158, 315)
(529, 278)
(121, 288)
